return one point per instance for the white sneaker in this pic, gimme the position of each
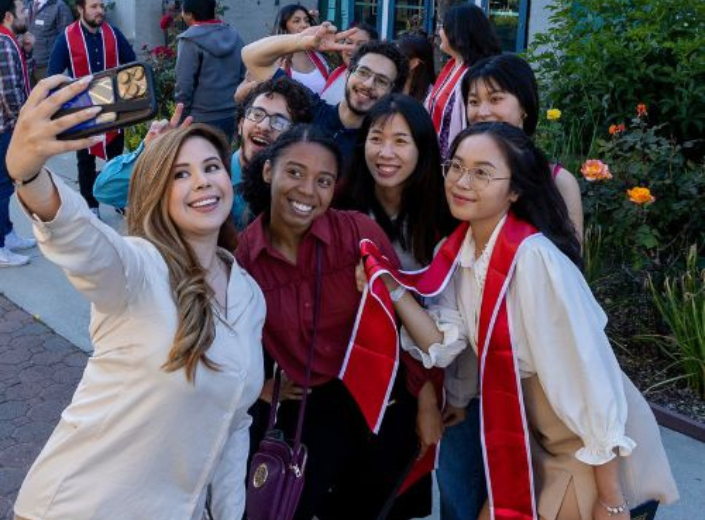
(15, 242)
(10, 259)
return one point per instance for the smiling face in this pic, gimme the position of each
(298, 22)
(201, 193)
(93, 14)
(487, 205)
(390, 152)
(257, 136)
(302, 182)
(488, 102)
(361, 95)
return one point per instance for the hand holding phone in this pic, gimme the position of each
(125, 95)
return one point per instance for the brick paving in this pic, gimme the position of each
(39, 371)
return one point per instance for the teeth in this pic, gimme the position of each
(303, 208)
(259, 141)
(204, 202)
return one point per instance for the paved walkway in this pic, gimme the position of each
(39, 370)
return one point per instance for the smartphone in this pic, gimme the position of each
(126, 94)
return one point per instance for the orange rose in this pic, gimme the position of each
(641, 110)
(640, 196)
(617, 129)
(595, 170)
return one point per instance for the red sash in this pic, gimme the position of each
(504, 433)
(25, 72)
(81, 66)
(334, 77)
(437, 100)
(315, 59)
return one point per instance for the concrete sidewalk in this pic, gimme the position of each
(40, 367)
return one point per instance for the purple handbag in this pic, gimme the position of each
(276, 477)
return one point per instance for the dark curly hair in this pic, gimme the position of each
(424, 217)
(388, 50)
(539, 203)
(298, 99)
(256, 192)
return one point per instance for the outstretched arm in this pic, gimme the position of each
(262, 56)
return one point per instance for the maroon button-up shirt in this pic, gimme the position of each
(289, 291)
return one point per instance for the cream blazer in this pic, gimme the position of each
(138, 442)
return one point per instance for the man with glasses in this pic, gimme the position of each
(269, 109)
(376, 69)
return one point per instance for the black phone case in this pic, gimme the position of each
(129, 110)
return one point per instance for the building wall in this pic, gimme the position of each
(538, 18)
(254, 18)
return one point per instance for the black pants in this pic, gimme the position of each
(87, 172)
(351, 474)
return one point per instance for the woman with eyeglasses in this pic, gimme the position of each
(466, 36)
(307, 67)
(334, 90)
(352, 473)
(566, 435)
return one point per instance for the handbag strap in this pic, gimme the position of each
(309, 362)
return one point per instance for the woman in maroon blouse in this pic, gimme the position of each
(351, 473)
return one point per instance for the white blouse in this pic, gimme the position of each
(314, 80)
(137, 441)
(557, 330)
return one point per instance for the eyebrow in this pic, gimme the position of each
(480, 163)
(377, 130)
(286, 116)
(186, 165)
(304, 167)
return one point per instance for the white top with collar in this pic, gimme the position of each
(557, 330)
(137, 441)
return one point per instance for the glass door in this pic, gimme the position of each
(410, 15)
(509, 20)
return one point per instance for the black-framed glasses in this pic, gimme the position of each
(380, 82)
(478, 178)
(276, 121)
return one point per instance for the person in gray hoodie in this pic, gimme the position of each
(208, 67)
(48, 19)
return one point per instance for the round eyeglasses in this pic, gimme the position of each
(276, 122)
(379, 82)
(478, 178)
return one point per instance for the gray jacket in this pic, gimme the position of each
(208, 70)
(51, 20)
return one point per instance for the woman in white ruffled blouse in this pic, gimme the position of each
(159, 420)
(595, 445)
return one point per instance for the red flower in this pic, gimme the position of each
(165, 22)
(641, 110)
(162, 51)
(617, 129)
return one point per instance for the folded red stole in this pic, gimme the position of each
(439, 97)
(81, 66)
(505, 440)
(25, 72)
(342, 69)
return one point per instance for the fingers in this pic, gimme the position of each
(41, 91)
(176, 116)
(55, 101)
(187, 122)
(344, 34)
(71, 120)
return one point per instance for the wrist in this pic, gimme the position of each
(616, 507)
(20, 182)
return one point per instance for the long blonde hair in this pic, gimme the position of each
(148, 218)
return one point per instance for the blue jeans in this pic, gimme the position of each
(461, 473)
(6, 189)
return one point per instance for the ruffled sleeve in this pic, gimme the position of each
(450, 322)
(558, 328)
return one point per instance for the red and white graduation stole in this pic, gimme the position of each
(505, 437)
(439, 97)
(81, 66)
(25, 72)
(342, 69)
(315, 59)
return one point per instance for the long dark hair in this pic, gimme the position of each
(285, 13)
(416, 45)
(539, 203)
(424, 216)
(255, 191)
(511, 74)
(470, 34)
